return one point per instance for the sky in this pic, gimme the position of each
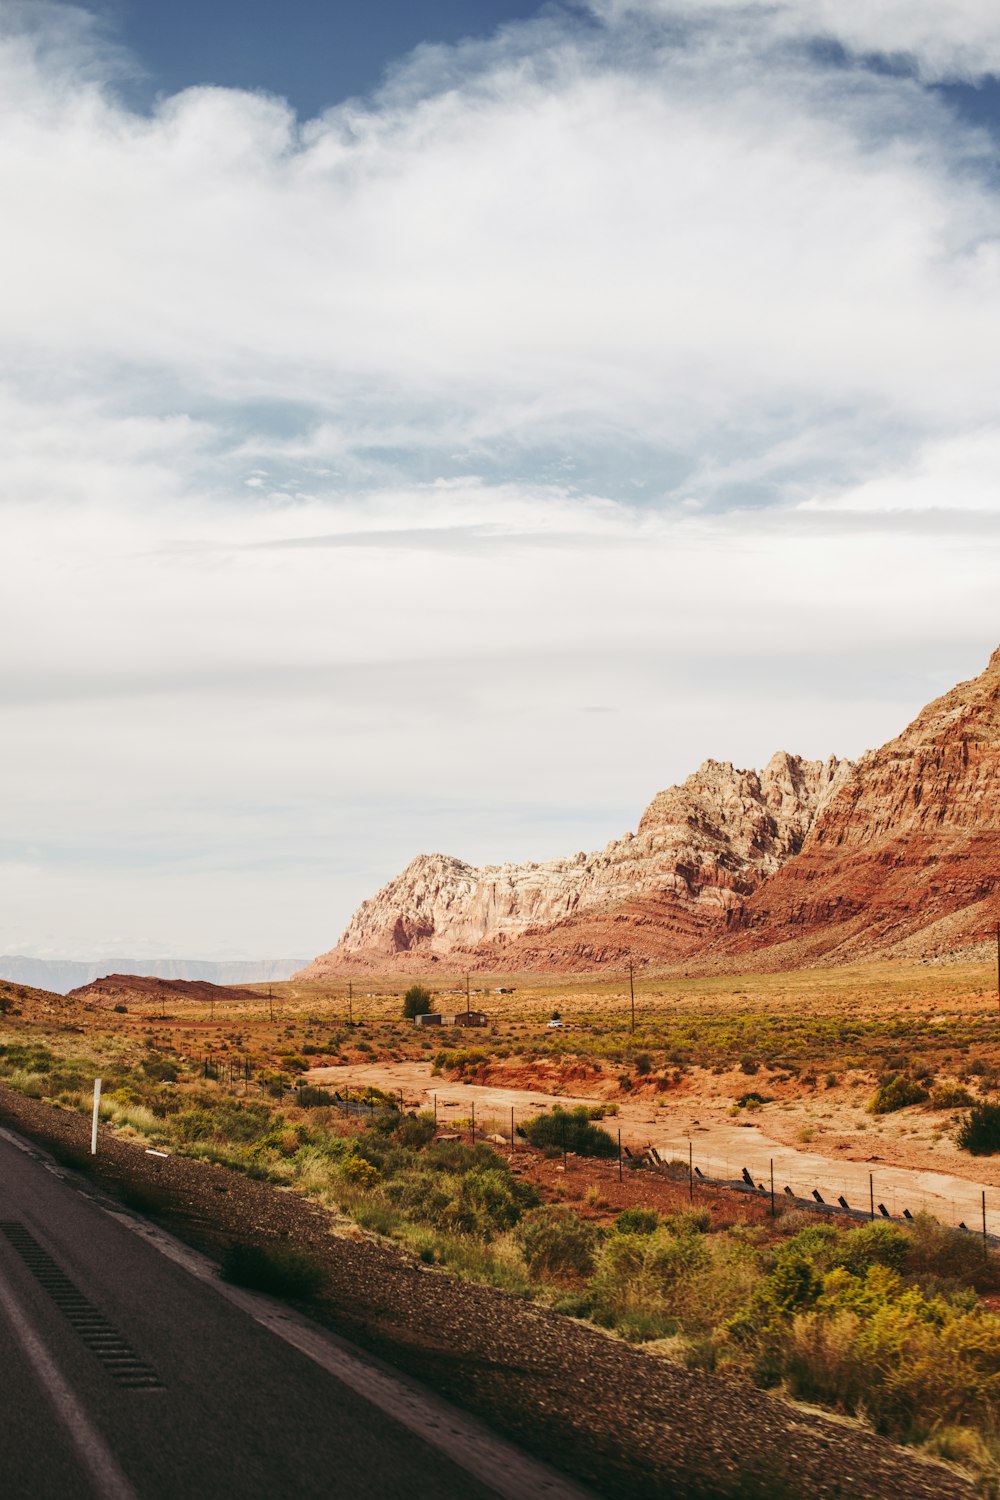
(438, 427)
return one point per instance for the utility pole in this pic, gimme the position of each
(468, 1001)
(350, 1002)
(631, 985)
(270, 1001)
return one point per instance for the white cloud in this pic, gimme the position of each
(349, 464)
(955, 42)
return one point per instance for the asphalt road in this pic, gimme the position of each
(126, 1377)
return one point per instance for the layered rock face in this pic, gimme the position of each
(903, 858)
(700, 849)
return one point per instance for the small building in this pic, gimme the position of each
(470, 1018)
(429, 1018)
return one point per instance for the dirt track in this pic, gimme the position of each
(721, 1146)
(615, 1418)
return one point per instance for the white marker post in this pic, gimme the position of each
(97, 1106)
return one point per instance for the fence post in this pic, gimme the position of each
(512, 1147)
(619, 1154)
(473, 1122)
(690, 1172)
(772, 1187)
(984, 1221)
(97, 1110)
(435, 1111)
(871, 1195)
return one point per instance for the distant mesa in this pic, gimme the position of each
(146, 989)
(59, 976)
(804, 862)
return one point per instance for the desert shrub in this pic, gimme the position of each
(370, 1095)
(979, 1132)
(159, 1069)
(424, 1196)
(194, 1125)
(794, 1285)
(492, 1200)
(871, 1245)
(416, 1002)
(361, 1172)
(225, 1120)
(936, 1250)
(637, 1284)
(415, 1131)
(385, 1120)
(950, 1096)
(636, 1221)
(689, 1220)
(282, 1270)
(32, 1058)
(484, 1202)
(556, 1243)
(309, 1096)
(572, 1128)
(911, 1361)
(294, 1062)
(896, 1091)
(816, 1240)
(643, 1063)
(452, 1060)
(459, 1156)
(277, 1084)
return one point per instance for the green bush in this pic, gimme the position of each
(636, 1221)
(32, 1058)
(557, 1244)
(309, 1096)
(938, 1253)
(417, 1002)
(642, 1282)
(159, 1069)
(450, 1061)
(415, 1131)
(873, 1245)
(572, 1128)
(951, 1096)
(360, 1171)
(912, 1362)
(979, 1132)
(896, 1091)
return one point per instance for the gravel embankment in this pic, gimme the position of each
(618, 1419)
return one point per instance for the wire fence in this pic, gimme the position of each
(883, 1197)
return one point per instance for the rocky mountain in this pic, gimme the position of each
(903, 857)
(806, 862)
(662, 892)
